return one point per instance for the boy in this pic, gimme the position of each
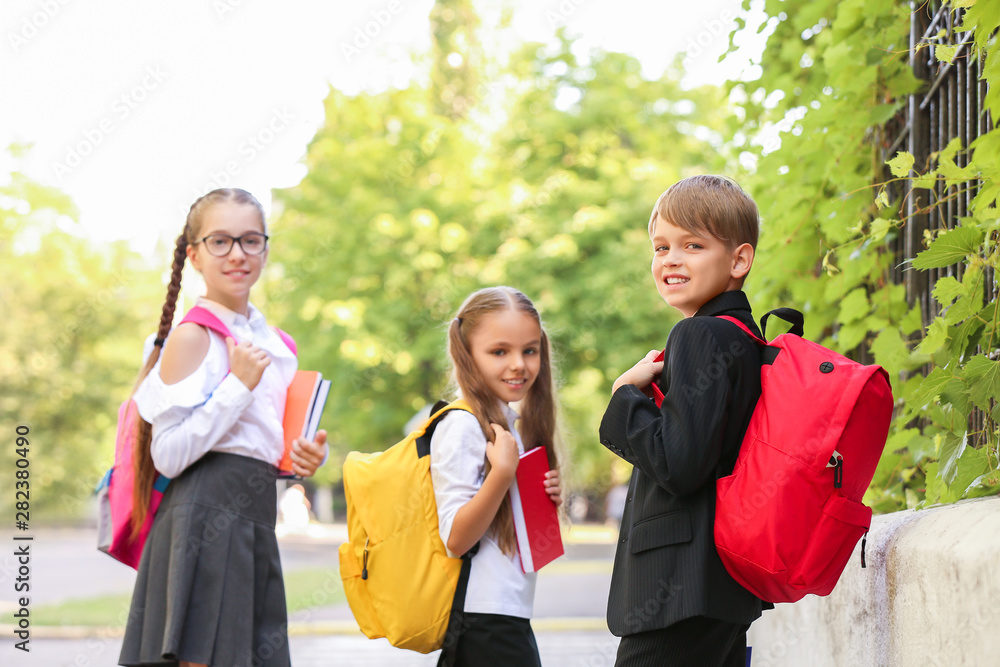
(672, 601)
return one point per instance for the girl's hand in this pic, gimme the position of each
(642, 374)
(308, 456)
(502, 453)
(553, 486)
(247, 362)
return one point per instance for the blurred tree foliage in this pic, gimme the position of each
(543, 181)
(535, 168)
(69, 347)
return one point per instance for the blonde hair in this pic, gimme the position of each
(709, 203)
(538, 411)
(142, 459)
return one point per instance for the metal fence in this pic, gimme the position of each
(950, 105)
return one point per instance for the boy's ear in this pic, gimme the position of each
(742, 261)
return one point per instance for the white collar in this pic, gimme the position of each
(509, 412)
(230, 317)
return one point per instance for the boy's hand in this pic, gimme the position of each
(553, 486)
(308, 456)
(642, 374)
(502, 453)
(247, 362)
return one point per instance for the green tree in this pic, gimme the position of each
(586, 150)
(408, 207)
(70, 345)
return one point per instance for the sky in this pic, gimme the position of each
(135, 108)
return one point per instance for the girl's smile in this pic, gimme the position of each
(228, 278)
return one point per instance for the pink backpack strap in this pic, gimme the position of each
(745, 328)
(207, 319)
(289, 341)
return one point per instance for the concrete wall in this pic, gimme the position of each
(929, 596)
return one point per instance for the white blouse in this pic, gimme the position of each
(211, 409)
(497, 585)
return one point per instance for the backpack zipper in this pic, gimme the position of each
(837, 463)
(364, 567)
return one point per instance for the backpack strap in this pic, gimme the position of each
(207, 319)
(456, 618)
(745, 328)
(289, 341)
(423, 441)
(790, 315)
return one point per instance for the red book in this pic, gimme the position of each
(304, 405)
(536, 517)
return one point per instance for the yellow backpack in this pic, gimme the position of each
(399, 580)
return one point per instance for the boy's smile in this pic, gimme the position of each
(690, 269)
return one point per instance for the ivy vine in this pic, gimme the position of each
(833, 75)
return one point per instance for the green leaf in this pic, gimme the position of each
(970, 302)
(987, 196)
(880, 227)
(951, 448)
(983, 377)
(951, 150)
(849, 336)
(926, 181)
(937, 489)
(901, 164)
(890, 351)
(854, 306)
(972, 465)
(882, 201)
(955, 174)
(950, 248)
(946, 290)
(930, 388)
(935, 337)
(912, 321)
(945, 52)
(966, 335)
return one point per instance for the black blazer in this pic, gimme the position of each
(666, 565)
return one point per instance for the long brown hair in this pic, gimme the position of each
(538, 411)
(142, 459)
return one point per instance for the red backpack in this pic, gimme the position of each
(789, 515)
(114, 492)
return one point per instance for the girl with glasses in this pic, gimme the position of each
(209, 588)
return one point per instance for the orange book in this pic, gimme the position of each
(303, 407)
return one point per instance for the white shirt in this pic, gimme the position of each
(497, 585)
(211, 409)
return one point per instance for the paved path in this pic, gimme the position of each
(558, 649)
(570, 602)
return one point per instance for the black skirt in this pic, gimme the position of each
(490, 640)
(209, 588)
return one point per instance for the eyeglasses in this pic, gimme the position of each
(220, 245)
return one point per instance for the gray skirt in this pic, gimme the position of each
(209, 587)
